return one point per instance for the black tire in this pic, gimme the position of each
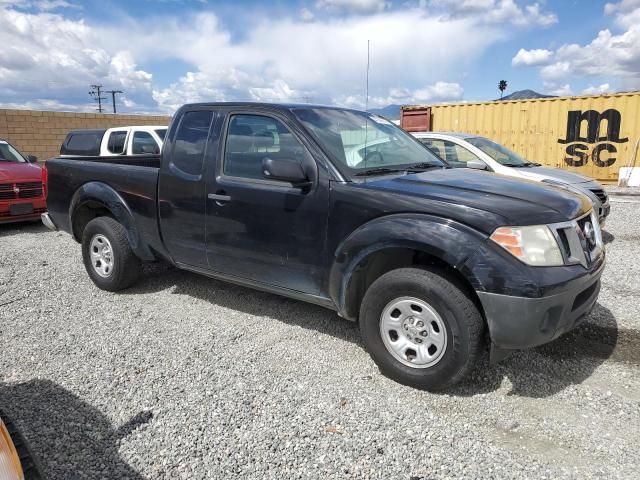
(30, 465)
(126, 266)
(462, 320)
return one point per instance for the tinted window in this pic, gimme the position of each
(250, 138)
(161, 132)
(10, 154)
(84, 143)
(191, 139)
(116, 142)
(452, 153)
(498, 152)
(144, 143)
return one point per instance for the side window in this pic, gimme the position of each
(144, 143)
(464, 155)
(436, 146)
(116, 141)
(84, 144)
(250, 138)
(190, 141)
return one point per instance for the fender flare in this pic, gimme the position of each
(451, 242)
(102, 193)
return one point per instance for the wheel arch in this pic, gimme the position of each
(398, 241)
(96, 199)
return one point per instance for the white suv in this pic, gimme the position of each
(473, 151)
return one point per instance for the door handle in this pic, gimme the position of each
(219, 197)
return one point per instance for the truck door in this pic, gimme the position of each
(259, 229)
(182, 188)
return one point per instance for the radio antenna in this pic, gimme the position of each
(366, 101)
(366, 108)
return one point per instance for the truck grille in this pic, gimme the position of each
(13, 191)
(601, 194)
(580, 240)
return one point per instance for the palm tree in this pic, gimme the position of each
(502, 86)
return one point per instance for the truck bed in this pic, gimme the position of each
(134, 178)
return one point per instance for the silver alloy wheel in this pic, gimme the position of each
(101, 255)
(413, 332)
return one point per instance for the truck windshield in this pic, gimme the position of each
(10, 154)
(361, 143)
(500, 154)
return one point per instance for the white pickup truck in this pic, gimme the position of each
(132, 140)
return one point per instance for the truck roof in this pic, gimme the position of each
(281, 106)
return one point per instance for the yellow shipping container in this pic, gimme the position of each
(592, 135)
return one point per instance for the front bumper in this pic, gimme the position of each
(520, 322)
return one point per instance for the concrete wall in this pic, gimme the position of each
(41, 133)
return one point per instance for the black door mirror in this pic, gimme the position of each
(32, 159)
(285, 170)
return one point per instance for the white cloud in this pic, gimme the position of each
(278, 59)
(353, 6)
(559, 90)
(306, 15)
(531, 58)
(612, 55)
(591, 90)
(325, 64)
(495, 11)
(437, 92)
(47, 54)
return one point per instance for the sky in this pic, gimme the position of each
(163, 53)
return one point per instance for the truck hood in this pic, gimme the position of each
(517, 201)
(541, 173)
(19, 172)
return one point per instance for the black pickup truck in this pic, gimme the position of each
(343, 209)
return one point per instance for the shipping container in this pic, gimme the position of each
(593, 135)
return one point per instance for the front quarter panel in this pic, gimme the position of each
(449, 241)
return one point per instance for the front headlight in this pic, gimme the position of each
(10, 468)
(534, 245)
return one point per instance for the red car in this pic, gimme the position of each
(22, 186)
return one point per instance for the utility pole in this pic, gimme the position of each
(97, 95)
(113, 97)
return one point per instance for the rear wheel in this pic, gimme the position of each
(420, 328)
(107, 255)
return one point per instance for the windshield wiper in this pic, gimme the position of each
(378, 171)
(421, 167)
(521, 165)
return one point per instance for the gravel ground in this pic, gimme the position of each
(187, 377)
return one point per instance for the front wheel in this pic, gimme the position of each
(107, 255)
(420, 328)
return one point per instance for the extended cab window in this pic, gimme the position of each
(250, 138)
(191, 140)
(117, 141)
(144, 143)
(84, 143)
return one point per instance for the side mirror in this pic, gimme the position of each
(32, 159)
(477, 164)
(285, 170)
